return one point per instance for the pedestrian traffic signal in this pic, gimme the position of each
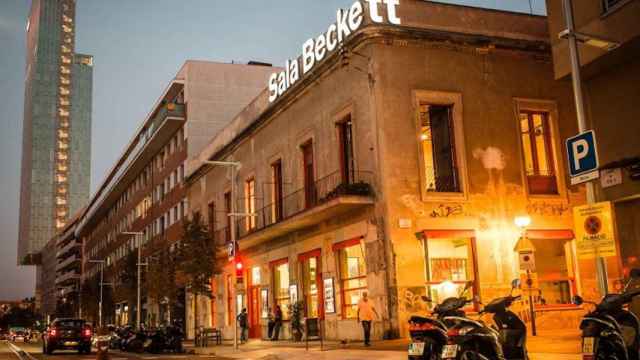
(239, 272)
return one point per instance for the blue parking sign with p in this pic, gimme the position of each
(582, 154)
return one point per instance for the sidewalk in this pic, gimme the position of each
(556, 345)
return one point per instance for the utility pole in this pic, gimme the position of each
(137, 236)
(102, 283)
(573, 37)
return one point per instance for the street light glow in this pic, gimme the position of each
(522, 221)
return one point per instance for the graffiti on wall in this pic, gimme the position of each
(411, 300)
(445, 211)
(544, 208)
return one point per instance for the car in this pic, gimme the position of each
(67, 334)
(18, 334)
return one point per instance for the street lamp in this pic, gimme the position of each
(139, 265)
(234, 165)
(573, 37)
(522, 222)
(102, 283)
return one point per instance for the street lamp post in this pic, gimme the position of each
(102, 283)
(573, 37)
(139, 266)
(233, 165)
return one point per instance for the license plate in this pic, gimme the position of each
(416, 349)
(70, 343)
(588, 345)
(449, 351)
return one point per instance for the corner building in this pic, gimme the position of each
(396, 166)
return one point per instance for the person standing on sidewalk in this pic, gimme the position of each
(366, 313)
(277, 323)
(243, 323)
(271, 323)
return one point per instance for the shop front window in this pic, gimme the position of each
(449, 267)
(311, 281)
(353, 277)
(281, 287)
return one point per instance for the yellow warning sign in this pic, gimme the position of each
(594, 230)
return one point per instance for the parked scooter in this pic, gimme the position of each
(473, 340)
(610, 332)
(429, 334)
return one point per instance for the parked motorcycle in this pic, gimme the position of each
(470, 339)
(429, 334)
(610, 332)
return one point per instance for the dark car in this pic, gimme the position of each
(67, 334)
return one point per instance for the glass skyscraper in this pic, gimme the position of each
(56, 148)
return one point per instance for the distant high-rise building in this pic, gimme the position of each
(56, 147)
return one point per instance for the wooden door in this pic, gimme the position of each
(254, 312)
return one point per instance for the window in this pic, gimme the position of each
(449, 266)
(211, 217)
(537, 150)
(255, 276)
(276, 191)
(353, 275)
(437, 145)
(608, 5)
(310, 195)
(250, 203)
(347, 164)
(281, 285)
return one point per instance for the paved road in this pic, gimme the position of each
(34, 351)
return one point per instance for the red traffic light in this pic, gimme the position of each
(238, 266)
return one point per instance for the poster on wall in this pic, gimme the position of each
(329, 299)
(264, 300)
(293, 293)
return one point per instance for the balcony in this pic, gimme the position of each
(329, 197)
(67, 278)
(65, 249)
(72, 259)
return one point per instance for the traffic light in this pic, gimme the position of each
(239, 272)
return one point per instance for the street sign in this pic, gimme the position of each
(527, 260)
(232, 248)
(611, 177)
(583, 157)
(594, 230)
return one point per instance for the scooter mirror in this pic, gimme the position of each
(635, 273)
(425, 298)
(515, 283)
(577, 300)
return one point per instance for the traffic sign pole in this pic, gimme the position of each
(601, 266)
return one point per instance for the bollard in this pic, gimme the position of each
(103, 344)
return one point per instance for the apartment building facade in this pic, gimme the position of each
(396, 166)
(142, 201)
(610, 86)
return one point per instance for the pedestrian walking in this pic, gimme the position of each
(366, 313)
(243, 323)
(271, 323)
(277, 323)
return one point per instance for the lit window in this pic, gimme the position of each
(64, 101)
(255, 276)
(63, 134)
(62, 145)
(250, 203)
(65, 81)
(537, 151)
(353, 277)
(65, 59)
(449, 267)
(64, 90)
(65, 49)
(65, 70)
(61, 201)
(61, 178)
(437, 144)
(281, 286)
(67, 28)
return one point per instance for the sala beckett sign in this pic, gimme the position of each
(315, 50)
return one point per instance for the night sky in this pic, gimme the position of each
(138, 46)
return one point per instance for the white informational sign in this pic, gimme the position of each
(610, 177)
(527, 260)
(315, 50)
(329, 297)
(293, 293)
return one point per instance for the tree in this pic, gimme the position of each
(89, 292)
(161, 279)
(197, 259)
(127, 284)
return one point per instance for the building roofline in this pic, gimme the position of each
(502, 11)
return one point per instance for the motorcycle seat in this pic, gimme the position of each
(419, 319)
